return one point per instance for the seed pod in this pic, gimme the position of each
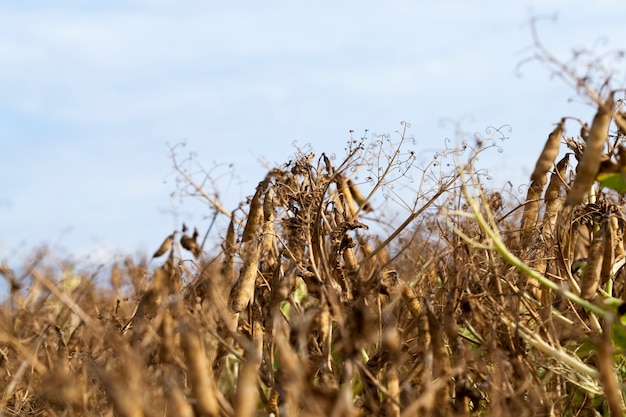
(268, 221)
(116, 277)
(608, 259)
(200, 373)
(391, 345)
(531, 209)
(549, 153)
(124, 384)
(618, 236)
(411, 299)
(344, 189)
(358, 196)
(553, 192)
(228, 264)
(325, 330)
(177, 405)
(247, 393)
(165, 246)
(328, 165)
(566, 232)
(243, 290)
(589, 164)
(611, 384)
(441, 360)
(584, 132)
(350, 259)
(591, 276)
(556, 180)
(190, 243)
(255, 215)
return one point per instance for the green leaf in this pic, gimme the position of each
(619, 336)
(614, 180)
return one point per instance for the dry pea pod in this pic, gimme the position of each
(358, 196)
(391, 344)
(553, 192)
(531, 208)
(228, 264)
(268, 221)
(556, 181)
(243, 290)
(608, 259)
(393, 389)
(124, 385)
(591, 276)
(165, 246)
(199, 372)
(344, 189)
(549, 153)
(256, 214)
(441, 359)
(608, 376)
(618, 236)
(545, 161)
(190, 243)
(177, 404)
(247, 392)
(411, 299)
(350, 259)
(589, 163)
(328, 165)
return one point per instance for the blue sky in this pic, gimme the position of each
(91, 93)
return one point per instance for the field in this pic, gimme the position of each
(474, 304)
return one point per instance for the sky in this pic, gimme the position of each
(94, 94)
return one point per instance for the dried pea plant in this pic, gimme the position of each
(300, 313)
(562, 303)
(313, 308)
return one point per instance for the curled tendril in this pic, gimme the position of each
(308, 148)
(405, 124)
(523, 189)
(492, 131)
(483, 173)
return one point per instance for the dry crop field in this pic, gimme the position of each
(474, 305)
